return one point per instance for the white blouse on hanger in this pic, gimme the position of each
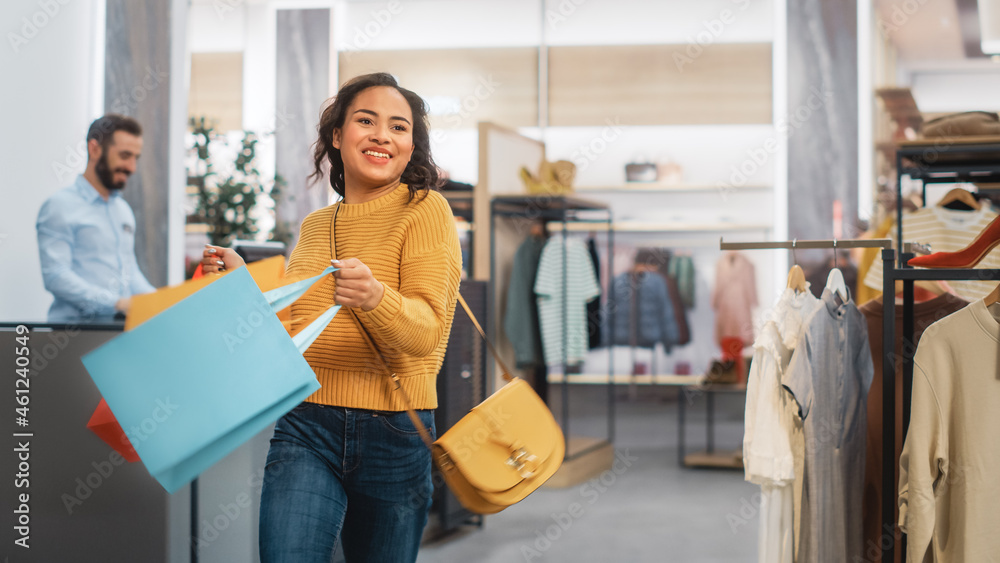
(772, 433)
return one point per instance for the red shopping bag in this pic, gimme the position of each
(104, 424)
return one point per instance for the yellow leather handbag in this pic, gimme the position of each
(500, 452)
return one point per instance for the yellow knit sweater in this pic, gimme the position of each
(412, 249)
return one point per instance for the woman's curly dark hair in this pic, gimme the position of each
(420, 173)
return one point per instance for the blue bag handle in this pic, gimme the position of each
(284, 296)
(304, 339)
(281, 297)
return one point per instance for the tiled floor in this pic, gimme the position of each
(651, 510)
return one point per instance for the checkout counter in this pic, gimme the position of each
(84, 502)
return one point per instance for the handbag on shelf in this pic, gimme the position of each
(500, 452)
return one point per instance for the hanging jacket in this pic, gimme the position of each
(682, 270)
(520, 320)
(594, 307)
(653, 320)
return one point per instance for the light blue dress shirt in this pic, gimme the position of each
(87, 250)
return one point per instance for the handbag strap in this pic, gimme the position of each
(421, 429)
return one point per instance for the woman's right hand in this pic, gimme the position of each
(216, 259)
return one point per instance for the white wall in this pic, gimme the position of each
(55, 82)
(957, 89)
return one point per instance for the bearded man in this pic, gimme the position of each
(86, 232)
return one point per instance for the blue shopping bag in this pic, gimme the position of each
(196, 381)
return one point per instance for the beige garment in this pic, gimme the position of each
(948, 486)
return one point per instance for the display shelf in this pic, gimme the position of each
(943, 161)
(666, 188)
(667, 227)
(586, 458)
(720, 460)
(710, 457)
(625, 379)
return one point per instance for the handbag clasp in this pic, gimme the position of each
(520, 459)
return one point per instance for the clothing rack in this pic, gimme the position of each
(908, 275)
(889, 319)
(562, 211)
(797, 244)
(970, 159)
(944, 161)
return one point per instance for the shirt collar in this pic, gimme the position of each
(89, 193)
(836, 308)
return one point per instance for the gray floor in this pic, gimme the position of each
(652, 510)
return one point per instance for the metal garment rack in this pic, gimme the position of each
(971, 159)
(564, 210)
(888, 382)
(797, 244)
(908, 275)
(944, 161)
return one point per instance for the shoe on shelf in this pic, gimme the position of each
(722, 372)
(969, 256)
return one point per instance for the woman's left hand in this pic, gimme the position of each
(356, 286)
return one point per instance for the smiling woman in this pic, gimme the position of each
(348, 465)
(346, 123)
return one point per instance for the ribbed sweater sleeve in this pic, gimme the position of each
(413, 318)
(412, 249)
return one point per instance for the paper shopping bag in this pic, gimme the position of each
(104, 424)
(199, 379)
(268, 273)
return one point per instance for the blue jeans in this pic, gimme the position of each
(360, 476)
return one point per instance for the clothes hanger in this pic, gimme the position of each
(796, 277)
(835, 281)
(538, 230)
(960, 199)
(993, 297)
